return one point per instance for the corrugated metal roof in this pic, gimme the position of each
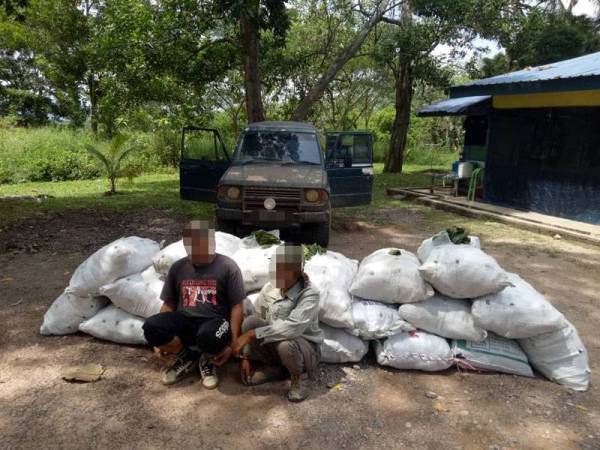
(583, 66)
(453, 106)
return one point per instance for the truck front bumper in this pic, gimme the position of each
(281, 219)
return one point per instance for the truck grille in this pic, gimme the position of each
(285, 199)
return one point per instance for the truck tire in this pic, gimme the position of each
(318, 234)
(227, 226)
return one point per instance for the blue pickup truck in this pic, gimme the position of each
(277, 177)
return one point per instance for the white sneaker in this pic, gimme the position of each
(182, 366)
(208, 373)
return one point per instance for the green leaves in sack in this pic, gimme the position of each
(311, 250)
(458, 235)
(265, 239)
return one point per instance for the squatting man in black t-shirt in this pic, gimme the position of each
(202, 312)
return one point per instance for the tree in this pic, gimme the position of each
(487, 67)
(304, 108)
(111, 158)
(406, 49)
(544, 36)
(252, 19)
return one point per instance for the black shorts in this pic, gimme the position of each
(209, 336)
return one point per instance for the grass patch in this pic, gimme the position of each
(156, 191)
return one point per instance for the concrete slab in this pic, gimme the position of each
(523, 219)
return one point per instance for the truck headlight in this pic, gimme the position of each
(233, 193)
(229, 193)
(311, 195)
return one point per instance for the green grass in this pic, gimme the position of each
(155, 191)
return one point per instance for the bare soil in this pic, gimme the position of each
(360, 406)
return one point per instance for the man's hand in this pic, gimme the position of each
(242, 341)
(222, 357)
(245, 370)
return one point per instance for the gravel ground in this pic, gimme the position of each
(351, 406)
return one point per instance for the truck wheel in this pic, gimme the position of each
(318, 234)
(227, 226)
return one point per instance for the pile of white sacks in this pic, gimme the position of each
(451, 305)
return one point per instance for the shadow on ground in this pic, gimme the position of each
(363, 407)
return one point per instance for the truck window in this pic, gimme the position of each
(354, 149)
(278, 146)
(202, 145)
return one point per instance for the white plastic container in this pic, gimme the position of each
(465, 169)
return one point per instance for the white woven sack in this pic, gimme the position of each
(416, 350)
(374, 320)
(164, 259)
(115, 325)
(118, 259)
(446, 317)
(138, 294)
(339, 346)
(460, 271)
(68, 311)
(225, 244)
(331, 274)
(439, 239)
(254, 264)
(495, 354)
(390, 275)
(560, 356)
(517, 312)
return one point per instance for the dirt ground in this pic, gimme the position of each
(352, 406)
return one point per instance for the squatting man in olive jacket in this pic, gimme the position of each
(283, 335)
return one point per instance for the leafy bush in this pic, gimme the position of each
(430, 141)
(44, 154)
(58, 154)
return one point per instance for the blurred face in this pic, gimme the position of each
(199, 242)
(288, 266)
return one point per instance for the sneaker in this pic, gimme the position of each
(298, 389)
(266, 374)
(182, 366)
(208, 373)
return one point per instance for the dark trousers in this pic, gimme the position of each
(296, 355)
(209, 336)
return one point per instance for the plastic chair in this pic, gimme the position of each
(475, 180)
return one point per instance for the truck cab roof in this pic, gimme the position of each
(282, 125)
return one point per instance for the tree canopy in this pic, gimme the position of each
(342, 64)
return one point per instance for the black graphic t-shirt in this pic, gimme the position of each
(204, 291)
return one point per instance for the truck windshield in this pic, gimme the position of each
(278, 146)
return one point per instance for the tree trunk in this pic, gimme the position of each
(249, 35)
(93, 104)
(404, 92)
(306, 105)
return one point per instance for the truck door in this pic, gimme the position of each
(203, 162)
(349, 165)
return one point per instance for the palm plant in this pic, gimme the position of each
(112, 158)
